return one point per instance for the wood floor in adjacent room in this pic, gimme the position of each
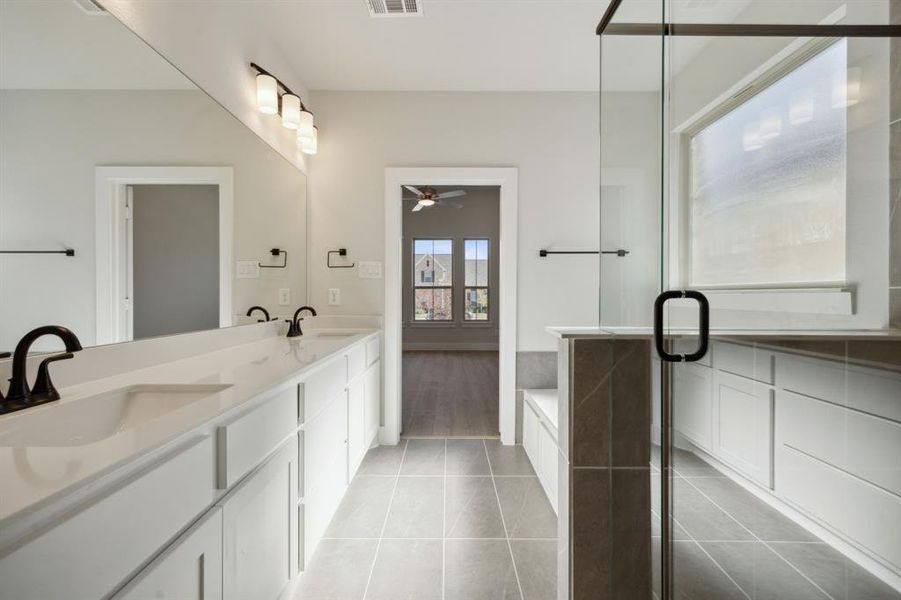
(450, 394)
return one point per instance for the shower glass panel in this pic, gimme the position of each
(751, 151)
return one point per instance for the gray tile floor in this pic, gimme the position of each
(730, 544)
(439, 519)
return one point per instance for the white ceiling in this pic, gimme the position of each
(456, 45)
(53, 44)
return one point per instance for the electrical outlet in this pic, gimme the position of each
(284, 296)
(334, 297)
(248, 269)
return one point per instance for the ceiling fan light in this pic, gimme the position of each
(291, 111)
(267, 94)
(427, 201)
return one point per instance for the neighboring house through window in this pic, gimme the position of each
(476, 280)
(433, 280)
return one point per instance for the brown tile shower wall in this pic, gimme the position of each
(895, 187)
(609, 525)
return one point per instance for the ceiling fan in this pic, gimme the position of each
(429, 196)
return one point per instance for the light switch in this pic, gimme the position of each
(370, 269)
(334, 297)
(248, 269)
(284, 296)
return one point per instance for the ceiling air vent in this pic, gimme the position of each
(92, 7)
(394, 8)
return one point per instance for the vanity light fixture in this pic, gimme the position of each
(267, 94)
(294, 114)
(305, 129)
(290, 111)
(310, 145)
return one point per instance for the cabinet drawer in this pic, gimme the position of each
(356, 362)
(189, 569)
(93, 552)
(747, 361)
(373, 351)
(870, 390)
(856, 510)
(249, 438)
(865, 446)
(321, 387)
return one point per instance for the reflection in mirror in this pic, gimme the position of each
(168, 205)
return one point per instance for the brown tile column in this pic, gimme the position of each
(895, 167)
(605, 516)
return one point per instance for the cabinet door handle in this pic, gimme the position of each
(703, 325)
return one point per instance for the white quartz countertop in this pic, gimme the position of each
(33, 476)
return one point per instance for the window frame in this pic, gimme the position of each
(755, 86)
(417, 284)
(486, 287)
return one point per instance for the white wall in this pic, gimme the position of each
(201, 40)
(552, 138)
(51, 143)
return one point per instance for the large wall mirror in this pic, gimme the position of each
(132, 205)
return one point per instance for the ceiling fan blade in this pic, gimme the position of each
(414, 190)
(418, 207)
(453, 194)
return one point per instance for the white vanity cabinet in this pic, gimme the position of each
(259, 542)
(340, 422)
(231, 512)
(372, 403)
(693, 409)
(189, 569)
(743, 437)
(91, 552)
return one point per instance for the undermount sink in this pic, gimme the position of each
(334, 334)
(94, 418)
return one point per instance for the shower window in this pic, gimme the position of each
(433, 280)
(767, 180)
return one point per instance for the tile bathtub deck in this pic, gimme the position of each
(439, 519)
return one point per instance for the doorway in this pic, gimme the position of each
(172, 259)
(188, 207)
(450, 320)
(504, 181)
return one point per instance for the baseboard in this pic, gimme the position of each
(450, 346)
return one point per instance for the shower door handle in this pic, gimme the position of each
(703, 325)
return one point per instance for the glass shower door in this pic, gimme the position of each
(776, 453)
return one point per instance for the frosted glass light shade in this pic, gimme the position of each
(290, 111)
(310, 145)
(267, 94)
(305, 124)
